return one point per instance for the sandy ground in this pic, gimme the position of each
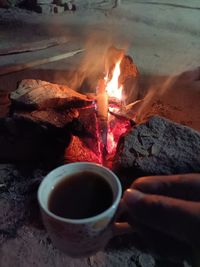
(163, 37)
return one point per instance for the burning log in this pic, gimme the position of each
(35, 134)
(85, 126)
(37, 94)
(102, 111)
(4, 104)
(159, 146)
(58, 119)
(128, 77)
(78, 151)
(23, 140)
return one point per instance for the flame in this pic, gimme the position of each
(112, 87)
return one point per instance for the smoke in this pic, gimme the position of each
(173, 97)
(93, 62)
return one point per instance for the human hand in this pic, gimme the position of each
(169, 205)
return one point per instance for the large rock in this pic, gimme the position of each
(159, 146)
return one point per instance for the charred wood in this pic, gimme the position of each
(22, 140)
(37, 94)
(79, 151)
(129, 73)
(85, 126)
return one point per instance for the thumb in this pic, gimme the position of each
(178, 218)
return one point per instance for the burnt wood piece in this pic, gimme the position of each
(4, 103)
(159, 146)
(37, 94)
(79, 151)
(85, 126)
(49, 117)
(34, 46)
(11, 68)
(129, 73)
(23, 140)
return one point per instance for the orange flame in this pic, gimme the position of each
(112, 87)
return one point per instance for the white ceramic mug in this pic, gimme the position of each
(80, 237)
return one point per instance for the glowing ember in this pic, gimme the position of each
(114, 90)
(116, 128)
(112, 87)
(111, 144)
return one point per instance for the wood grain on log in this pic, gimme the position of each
(49, 117)
(85, 126)
(159, 146)
(78, 151)
(41, 95)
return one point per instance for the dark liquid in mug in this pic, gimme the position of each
(80, 196)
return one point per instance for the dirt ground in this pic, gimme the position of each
(162, 37)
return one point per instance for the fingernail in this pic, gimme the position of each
(132, 196)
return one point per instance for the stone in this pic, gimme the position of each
(159, 146)
(49, 8)
(42, 2)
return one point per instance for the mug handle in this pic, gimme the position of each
(121, 228)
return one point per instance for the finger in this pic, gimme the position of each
(196, 86)
(192, 75)
(184, 186)
(178, 218)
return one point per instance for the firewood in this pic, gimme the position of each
(34, 46)
(159, 146)
(129, 73)
(44, 135)
(78, 151)
(4, 104)
(18, 67)
(85, 126)
(23, 140)
(58, 119)
(42, 95)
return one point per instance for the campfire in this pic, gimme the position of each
(53, 124)
(108, 102)
(110, 127)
